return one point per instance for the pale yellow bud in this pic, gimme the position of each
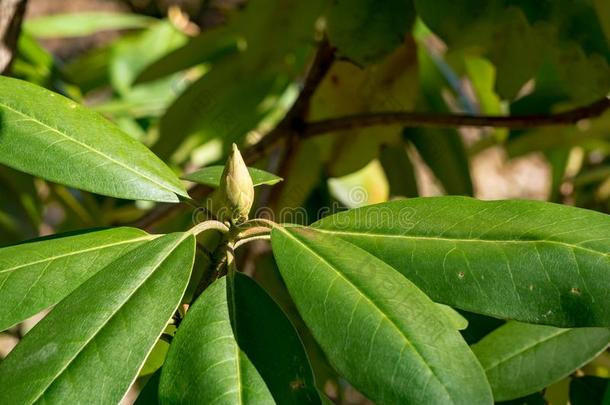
(236, 193)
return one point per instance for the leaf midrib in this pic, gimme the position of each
(525, 349)
(77, 252)
(383, 315)
(84, 145)
(464, 240)
(110, 317)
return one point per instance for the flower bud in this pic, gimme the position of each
(236, 193)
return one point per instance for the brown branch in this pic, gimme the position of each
(11, 15)
(414, 119)
(292, 123)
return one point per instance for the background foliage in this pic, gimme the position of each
(350, 103)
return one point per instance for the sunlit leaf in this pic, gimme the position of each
(36, 275)
(102, 332)
(47, 135)
(82, 24)
(525, 260)
(374, 325)
(521, 359)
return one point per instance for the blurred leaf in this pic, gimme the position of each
(149, 395)
(132, 55)
(204, 363)
(375, 325)
(589, 391)
(365, 31)
(47, 135)
(39, 274)
(348, 89)
(82, 24)
(209, 46)
(210, 176)
(241, 89)
(521, 359)
(106, 347)
(567, 33)
(20, 209)
(398, 170)
(506, 259)
(441, 149)
(90, 70)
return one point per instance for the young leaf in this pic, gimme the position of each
(210, 176)
(47, 135)
(525, 260)
(82, 24)
(36, 275)
(520, 358)
(204, 363)
(375, 326)
(103, 331)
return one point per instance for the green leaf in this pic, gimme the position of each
(398, 170)
(82, 24)
(366, 30)
(39, 274)
(443, 151)
(223, 104)
(270, 341)
(589, 390)
(521, 359)
(132, 55)
(150, 392)
(209, 46)
(47, 135)
(210, 176)
(564, 32)
(374, 325)
(455, 318)
(94, 342)
(525, 260)
(204, 363)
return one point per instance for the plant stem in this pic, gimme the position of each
(207, 225)
(414, 119)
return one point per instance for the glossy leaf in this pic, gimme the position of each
(204, 363)
(374, 325)
(524, 260)
(270, 341)
(47, 135)
(91, 346)
(39, 274)
(82, 24)
(210, 176)
(521, 359)
(367, 30)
